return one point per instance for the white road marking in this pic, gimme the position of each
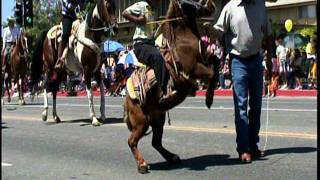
(3, 164)
(178, 107)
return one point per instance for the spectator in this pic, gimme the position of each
(311, 56)
(282, 58)
(219, 52)
(275, 77)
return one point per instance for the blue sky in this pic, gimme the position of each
(7, 9)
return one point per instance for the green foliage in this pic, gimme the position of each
(308, 31)
(46, 14)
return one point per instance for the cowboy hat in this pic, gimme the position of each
(11, 19)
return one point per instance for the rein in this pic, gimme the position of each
(165, 20)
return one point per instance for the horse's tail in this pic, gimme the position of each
(37, 62)
(126, 114)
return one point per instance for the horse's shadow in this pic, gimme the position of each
(3, 126)
(200, 163)
(86, 121)
(290, 150)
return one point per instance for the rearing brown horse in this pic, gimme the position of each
(82, 55)
(186, 50)
(16, 69)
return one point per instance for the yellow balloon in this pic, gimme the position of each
(288, 25)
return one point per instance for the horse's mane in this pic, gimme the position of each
(89, 16)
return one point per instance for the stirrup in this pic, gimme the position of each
(164, 97)
(59, 64)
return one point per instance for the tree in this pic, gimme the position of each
(46, 15)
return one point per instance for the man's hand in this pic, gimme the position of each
(141, 19)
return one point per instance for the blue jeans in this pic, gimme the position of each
(247, 76)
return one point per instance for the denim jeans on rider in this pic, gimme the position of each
(247, 76)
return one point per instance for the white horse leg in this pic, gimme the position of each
(102, 102)
(45, 111)
(54, 108)
(93, 117)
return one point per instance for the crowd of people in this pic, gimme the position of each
(291, 68)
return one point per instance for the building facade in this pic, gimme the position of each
(126, 29)
(301, 12)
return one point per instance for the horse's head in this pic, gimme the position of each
(22, 43)
(107, 14)
(196, 8)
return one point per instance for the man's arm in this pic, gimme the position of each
(4, 39)
(221, 26)
(141, 19)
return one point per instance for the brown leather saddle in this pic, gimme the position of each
(143, 78)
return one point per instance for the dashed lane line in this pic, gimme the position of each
(3, 164)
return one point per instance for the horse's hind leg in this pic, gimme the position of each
(136, 135)
(54, 108)
(157, 128)
(139, 127)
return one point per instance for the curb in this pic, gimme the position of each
(226, 92)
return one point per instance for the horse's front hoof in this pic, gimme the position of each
(44, 117)
(209, 103)
(95, 122)
(22, 102)
(103, 118)
(175, 159)
(57, 119)
(143, 168)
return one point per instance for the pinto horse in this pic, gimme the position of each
(82, 55)
(16, 69)
(192, 63)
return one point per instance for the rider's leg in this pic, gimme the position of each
(66, 31)
(5, 57)
(151, 56)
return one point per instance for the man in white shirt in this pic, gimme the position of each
(10, 35)
(244, 24)
(282, 59)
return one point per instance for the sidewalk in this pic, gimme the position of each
(291, 92)
(226, 92)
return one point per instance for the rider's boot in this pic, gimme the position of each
(61, 60)
(165, 95)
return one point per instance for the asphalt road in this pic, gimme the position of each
(204, 139)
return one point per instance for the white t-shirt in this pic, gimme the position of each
(281, 53)
(10, 34)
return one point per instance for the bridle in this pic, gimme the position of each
(24, 44)
(106, 28)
